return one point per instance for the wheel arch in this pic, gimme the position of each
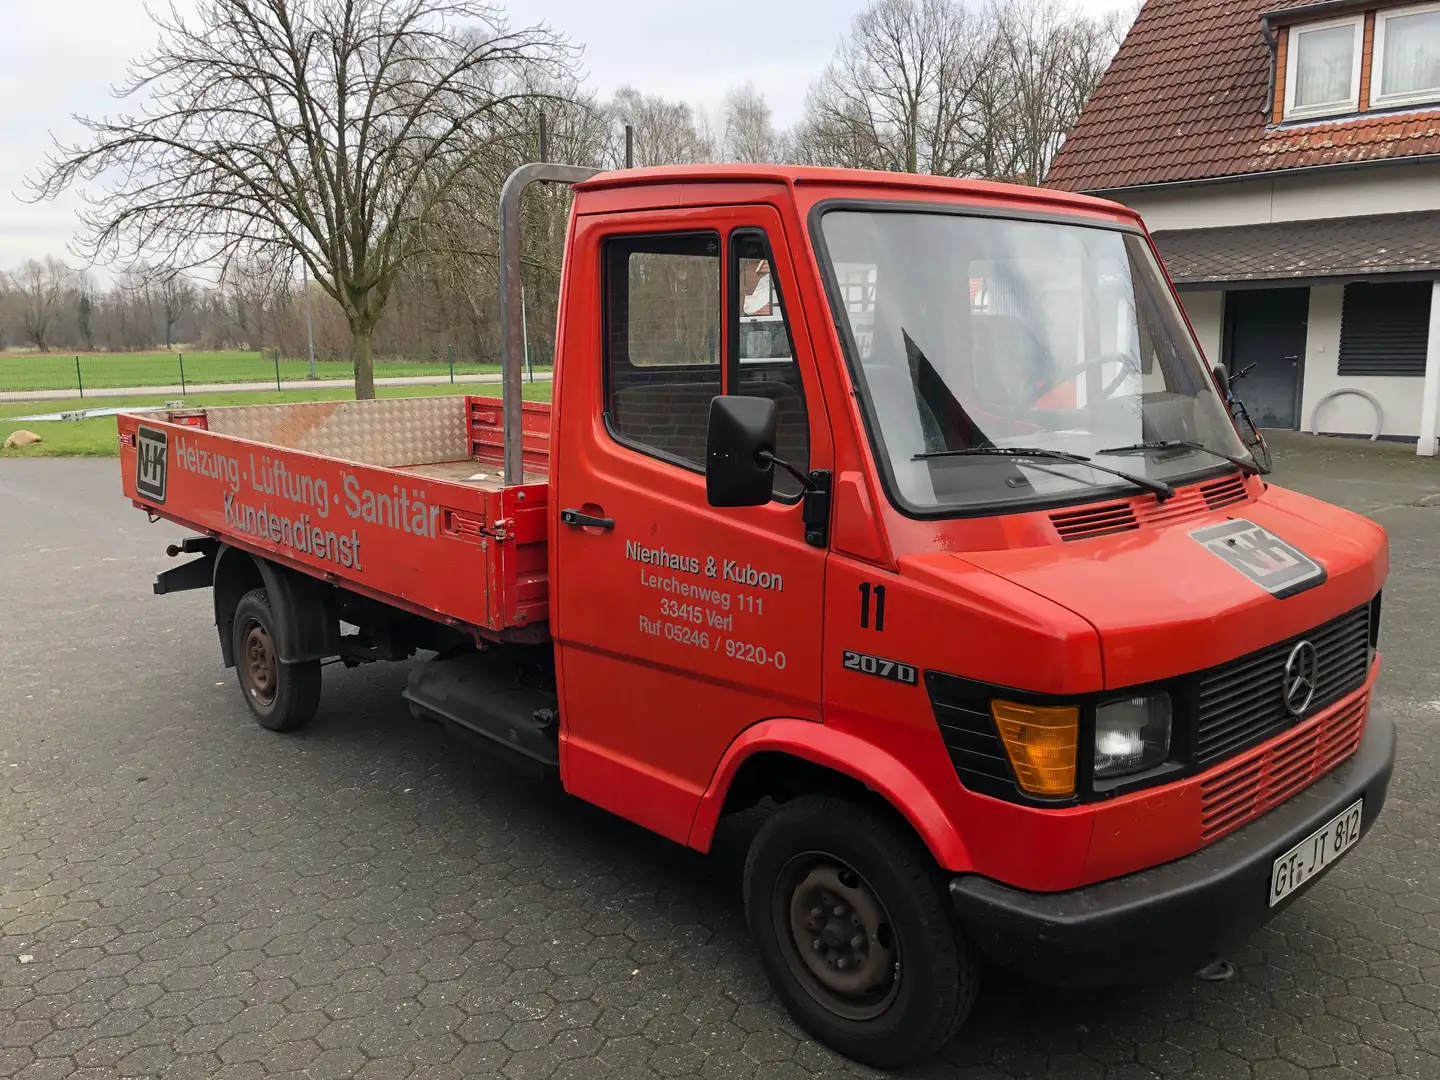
(820, 758)
(305, 619)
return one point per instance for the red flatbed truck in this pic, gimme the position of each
(906, 503)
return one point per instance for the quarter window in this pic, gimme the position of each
(765, 351)
(1407, 54)
(1322, 74)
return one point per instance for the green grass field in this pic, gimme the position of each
(95, 437)
(57, 371)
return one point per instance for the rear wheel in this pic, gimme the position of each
(280, 696)
(1251, 437)
(850, 919)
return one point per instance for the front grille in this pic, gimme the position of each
(1220, 715)
(1251, 786)
(1242, 703)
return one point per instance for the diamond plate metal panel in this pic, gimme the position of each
(385, 432)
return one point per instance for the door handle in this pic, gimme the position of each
(586, 521)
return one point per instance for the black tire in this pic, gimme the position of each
(932, 977)
(281, 697)
(1251, 437)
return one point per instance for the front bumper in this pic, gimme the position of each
(1171, 919)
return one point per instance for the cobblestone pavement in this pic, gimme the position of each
(183, 894)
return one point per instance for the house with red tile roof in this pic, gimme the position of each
(1287, 162)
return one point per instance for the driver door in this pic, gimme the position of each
(678, 625)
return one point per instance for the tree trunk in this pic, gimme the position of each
(361, 348)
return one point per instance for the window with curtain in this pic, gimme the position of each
(1408, 50)
(1323, 69)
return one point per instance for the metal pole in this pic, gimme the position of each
(182, 372)
(513, 341)
(277, 368)
(309, 326)
(78, 380)
(544, 140)
(450, 350)
(629, 147)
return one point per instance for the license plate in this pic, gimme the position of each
(1313, 854)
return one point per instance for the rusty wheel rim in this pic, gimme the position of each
(259, 664)
(837, 937)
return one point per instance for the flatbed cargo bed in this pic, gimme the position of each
(403, 500)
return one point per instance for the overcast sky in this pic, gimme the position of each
(60, 57)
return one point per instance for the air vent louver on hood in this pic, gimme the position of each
(1118, 517)
(1095, 521)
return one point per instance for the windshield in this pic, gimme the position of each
(975, 333)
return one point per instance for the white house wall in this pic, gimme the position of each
(1207, 315)
(1399, 397)
(1338, 193)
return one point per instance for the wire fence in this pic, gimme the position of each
(187, 372)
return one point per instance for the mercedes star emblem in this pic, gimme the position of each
(1302, 673)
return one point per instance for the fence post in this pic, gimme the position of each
(78, 380)
(277, 369)
(450, 349)
(182, 371)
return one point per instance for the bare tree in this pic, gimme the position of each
(338, 130)
(251, 290)
(1053, 62)
(749, 131)
(85, 309)
(579, 130)
(665, 132)
(935, 86)
(177, 295)
(1087, 47)
(40, 286)
(894, 97)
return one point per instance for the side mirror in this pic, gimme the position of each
(740, 428)
(1222, 379)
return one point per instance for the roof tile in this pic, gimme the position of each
(1185, 99)
(1299, 250)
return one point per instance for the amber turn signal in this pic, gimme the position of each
(1040, 740)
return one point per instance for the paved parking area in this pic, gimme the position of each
(183, 894)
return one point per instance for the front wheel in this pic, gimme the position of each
(281, 696)
(850, 919)
(1251, 437)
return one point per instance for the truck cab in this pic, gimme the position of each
(909, 509)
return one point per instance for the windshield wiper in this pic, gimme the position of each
(1161, 489)
(1183, 444)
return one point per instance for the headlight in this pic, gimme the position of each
(1131, 735)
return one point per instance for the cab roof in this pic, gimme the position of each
(857, 183)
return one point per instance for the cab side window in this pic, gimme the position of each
(763, 352)
(662, 342)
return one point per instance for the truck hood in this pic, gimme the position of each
(1163, 603)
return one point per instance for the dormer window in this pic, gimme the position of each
(1407, 56)
(1322, 74)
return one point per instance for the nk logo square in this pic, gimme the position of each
(1261, 556)
(152, 463)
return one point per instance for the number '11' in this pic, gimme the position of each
(866, 590)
